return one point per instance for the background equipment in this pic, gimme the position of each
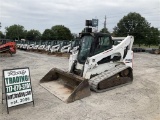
(7, 46)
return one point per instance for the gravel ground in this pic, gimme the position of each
(137, 101)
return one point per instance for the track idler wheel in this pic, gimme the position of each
(124, 73)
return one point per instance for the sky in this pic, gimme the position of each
(43, 14)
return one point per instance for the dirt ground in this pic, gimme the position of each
(137, 101)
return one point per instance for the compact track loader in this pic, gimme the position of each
(36, 45)
(49, 44)
(24, 47)
(75, 45)
(42, 47)
(30, 45)
(55, 47)
(97, 65)
(7, 47)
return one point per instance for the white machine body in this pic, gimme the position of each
(91, 65)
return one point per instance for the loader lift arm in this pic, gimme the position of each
(117, 50)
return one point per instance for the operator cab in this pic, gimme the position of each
(92, 44)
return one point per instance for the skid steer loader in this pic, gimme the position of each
(21, 45)
(30, 45)
(66, 48)
(18, 43)
(42, 46)
(55, 47)
(36, 45)
(24, 47)
(96, 65)
(49, 43)
(7, 46)
(75, 45)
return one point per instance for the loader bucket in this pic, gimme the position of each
(66, 86)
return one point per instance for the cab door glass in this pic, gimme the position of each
(102, 44)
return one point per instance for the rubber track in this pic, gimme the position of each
(93, 82)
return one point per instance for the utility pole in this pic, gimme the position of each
(17, 32)
(0, 28)
(105, 22)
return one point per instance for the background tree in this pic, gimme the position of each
(104, 30)
(33, 35)
(159, 40)
(2, 35)
(47, 34)
(61, 32)
(15, 32)
(152, 37)
(135, 25)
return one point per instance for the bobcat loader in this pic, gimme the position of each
(21, 45)
(36, 45)
(42, 46)
(18, 43)
(56, 46)
(75, 45)
(24, 47)
(30, 45)
(48, 45)
(96, 65)
(66, 48)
